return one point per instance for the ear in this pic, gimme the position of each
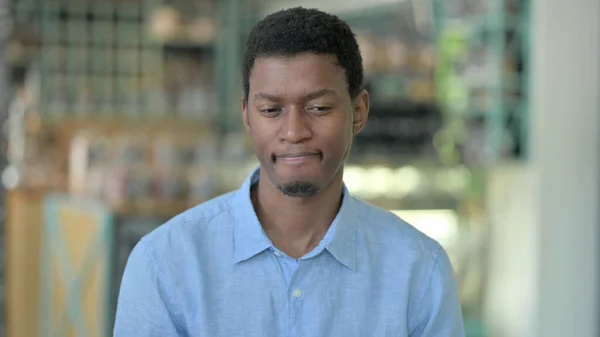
(361, 112)
(245, 114)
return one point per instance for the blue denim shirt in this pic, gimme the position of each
(212, 271)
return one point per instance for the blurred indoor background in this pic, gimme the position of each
(484, 134)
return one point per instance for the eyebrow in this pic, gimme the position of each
(309, 96)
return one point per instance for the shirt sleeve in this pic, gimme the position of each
(439, 313)
(141, 310)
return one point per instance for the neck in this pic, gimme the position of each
(296, 225)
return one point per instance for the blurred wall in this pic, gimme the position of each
(565, 95)
(510, 289)
(545, 214)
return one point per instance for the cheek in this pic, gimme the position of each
(339, 137)
(261, 126)
(258, 139)
(261, 137)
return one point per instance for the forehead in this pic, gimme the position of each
(288, 75)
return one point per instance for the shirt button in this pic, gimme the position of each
(278, 254)
(297, 293)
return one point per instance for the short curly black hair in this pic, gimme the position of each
(299, 30)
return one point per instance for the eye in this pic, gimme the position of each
(319, 110)
(270, 112)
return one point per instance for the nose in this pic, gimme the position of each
(295, 128)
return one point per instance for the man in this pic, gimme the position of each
(292, 253)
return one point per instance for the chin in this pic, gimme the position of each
(292, 173)
(299, 189)
(308, 178)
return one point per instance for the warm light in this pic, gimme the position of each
(406, 180)
(382, 181)
(354, 178)
(10, 177)
(440, 225)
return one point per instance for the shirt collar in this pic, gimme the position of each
(343, 240)
(250, 238)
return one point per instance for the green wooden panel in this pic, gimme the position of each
(72, 276)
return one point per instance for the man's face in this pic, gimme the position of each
(301, 119)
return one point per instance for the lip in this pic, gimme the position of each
(297, 157)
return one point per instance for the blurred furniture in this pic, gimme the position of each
(23, 249)
(59, 266)
(76, 280)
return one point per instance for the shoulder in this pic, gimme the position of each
(193, 227)
(390, 230)
(404, 252)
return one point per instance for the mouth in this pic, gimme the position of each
(297, 158)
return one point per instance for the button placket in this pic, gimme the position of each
(296, 291)
(297, 294)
